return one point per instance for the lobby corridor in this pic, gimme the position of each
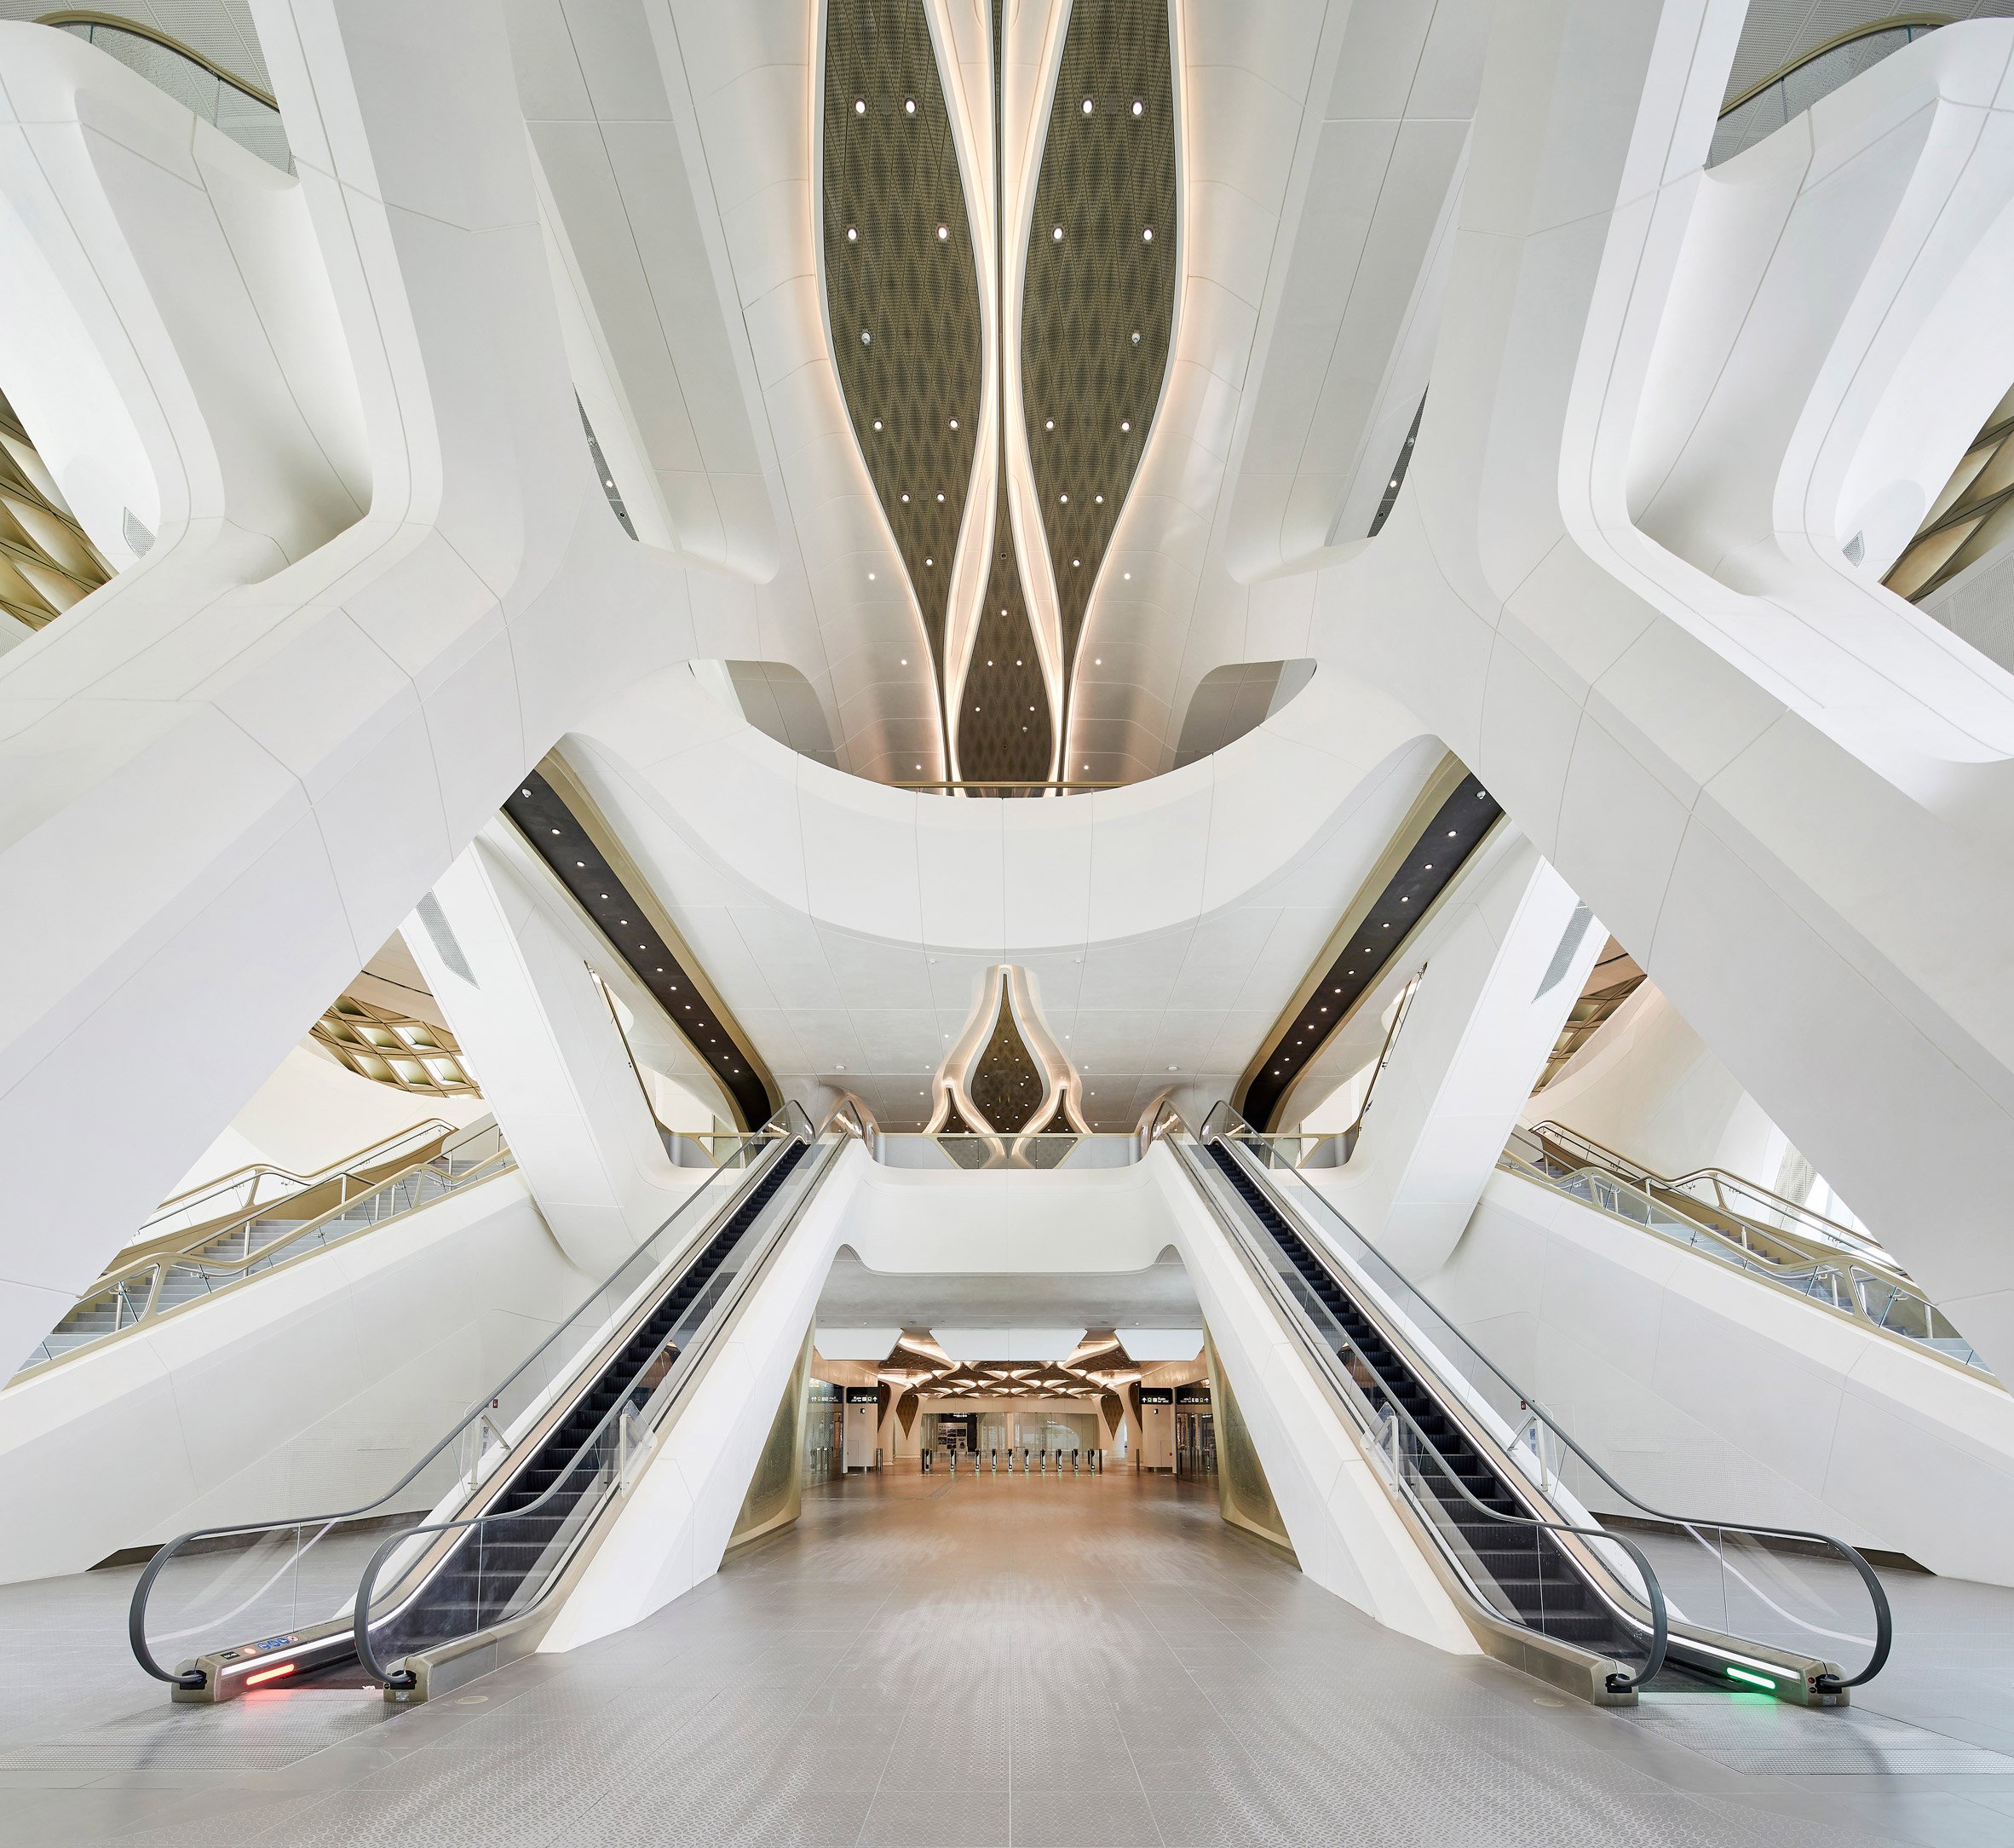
(947, 1661)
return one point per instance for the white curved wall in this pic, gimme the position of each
(307, 1391)
(1648, 1087)
(1712, 1396)
(849, 925)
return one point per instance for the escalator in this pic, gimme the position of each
(1528, 1562)
(1608, 1605)
(511, 1503)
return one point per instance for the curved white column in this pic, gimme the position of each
(1783, 796)
(509, 970)
(225, 778)
(1486, 1013)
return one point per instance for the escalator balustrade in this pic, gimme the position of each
(499, 1555)
(1528, 1563)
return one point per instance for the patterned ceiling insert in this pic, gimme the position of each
(902, 289)
(1004, 723)
(1006, 1087)
(1098, 300)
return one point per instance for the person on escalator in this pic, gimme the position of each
(652, 1376)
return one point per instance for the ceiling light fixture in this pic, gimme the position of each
(1139, 107)
(860, 107)
(909, 106)
(1087, 105)
(852, 235)
(1147, 234)
(1136, 337)
(1057, 234)
(867, 338)
(943, 232)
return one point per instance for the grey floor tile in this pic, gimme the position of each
(1119, 1818)
(937, 1819)
(1097, 1661)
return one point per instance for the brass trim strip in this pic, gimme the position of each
(1873, 29)
(84, 16)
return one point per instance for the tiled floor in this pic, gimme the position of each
(1088, 1661)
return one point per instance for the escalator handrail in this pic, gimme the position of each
(1830, 1234)
(673, 1387)
(778, 1128)
(1878, 1596)
(1619, 1682)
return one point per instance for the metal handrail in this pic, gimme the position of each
(1008, 782)
(136, 1611)
(1349, 1137)
(666, 1391)
(1016, 1148)
(1851, 1281)
(664, 1128)
(1349, 1392)
(235, 107)
(1884, 1621)
(134, 29)
(1838, 42)
(357, 1158)
(144, 1278)
(1826, 1231)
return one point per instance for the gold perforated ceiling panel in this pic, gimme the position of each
(1006, 1086)
(1099, 295)
(902, 289)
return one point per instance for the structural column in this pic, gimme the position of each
(506, 962)
(1506, 959)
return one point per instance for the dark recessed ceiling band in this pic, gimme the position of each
(901, 287)
(1098, 300)
(1377, 935)
(582, 856)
